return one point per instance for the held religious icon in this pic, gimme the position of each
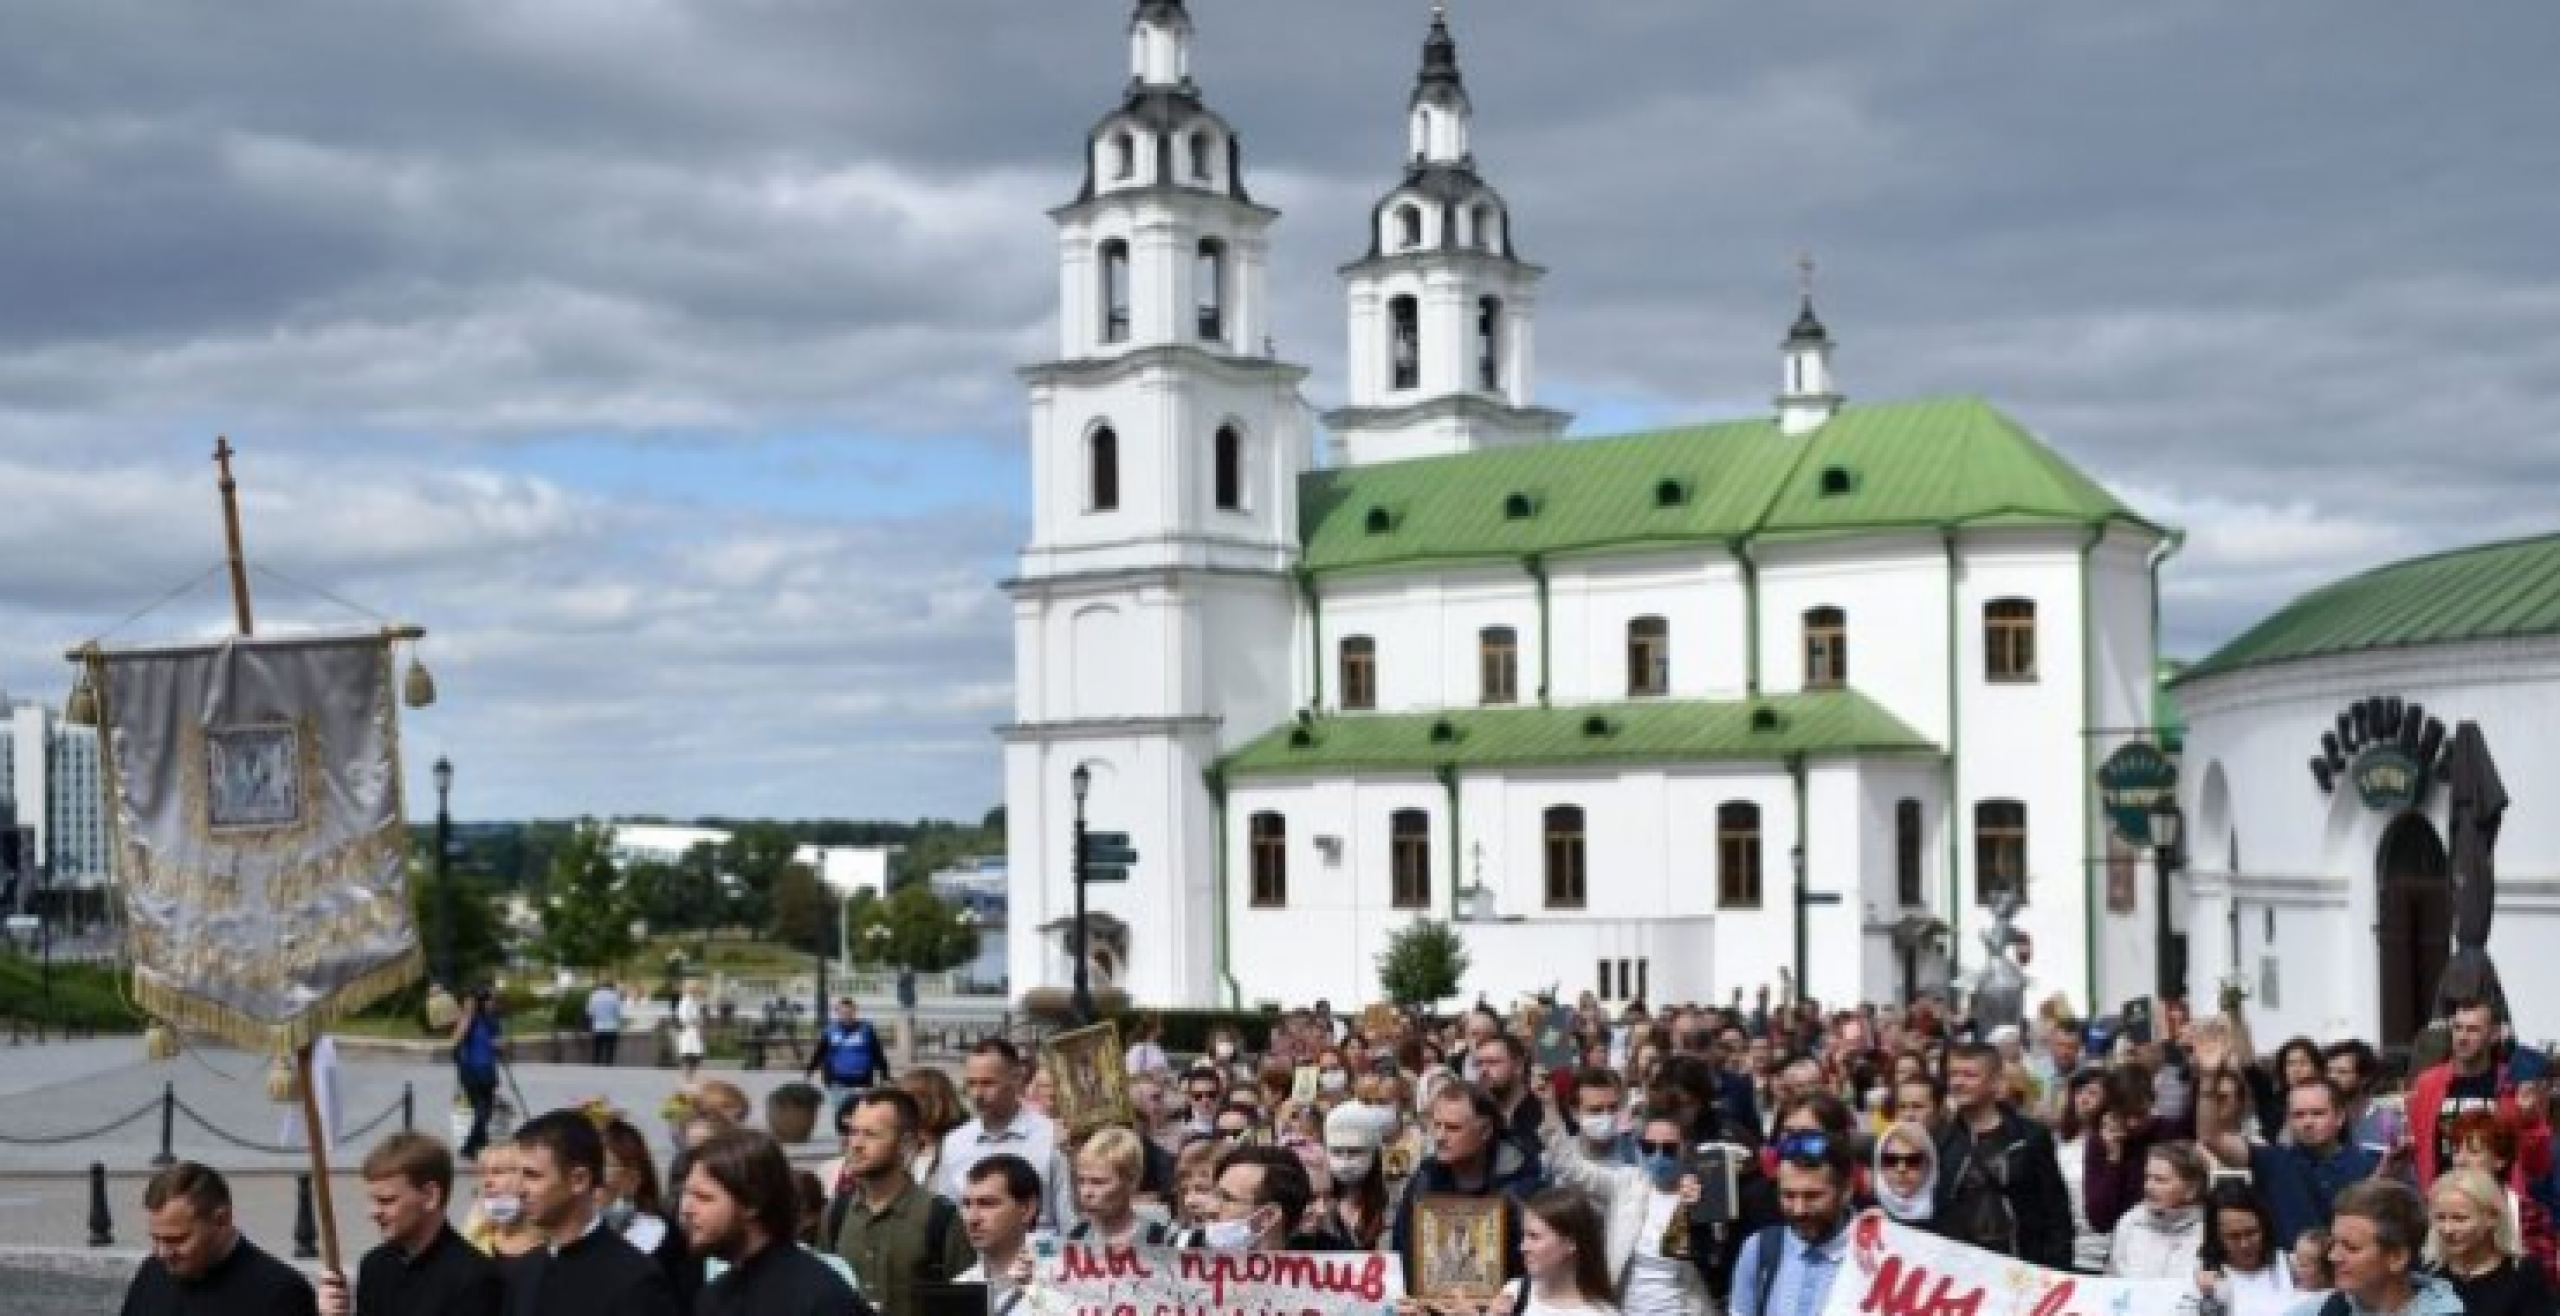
(1457, 1245)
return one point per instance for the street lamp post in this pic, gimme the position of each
(1804, 912)
(1081, 781)
(2168, 954)
(444, 873)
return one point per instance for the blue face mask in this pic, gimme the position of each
(1663, 1170)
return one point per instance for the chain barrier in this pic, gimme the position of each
(273, 1149)
(142, 1112)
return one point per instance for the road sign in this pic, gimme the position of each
(1106, 872)
(1110, 854)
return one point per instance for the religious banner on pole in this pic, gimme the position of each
(1896, 1271)
(260, 845)
(1085, 1279)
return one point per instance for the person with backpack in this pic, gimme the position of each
(848, 1055)
(895, 1232)
(476, 1036)
(1999, 1185)
(1789, 1267)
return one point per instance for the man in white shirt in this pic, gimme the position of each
(992, 1078)
(604, 1024)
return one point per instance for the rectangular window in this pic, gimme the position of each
(1738, 856)
(1359, 673)
(2009, 640)
(1826, 649)
(1568, 885)
(1907, 849)
(1270, 833)
(1648, 657)
(1498, 650)
(1410, 856)
(1999, 850)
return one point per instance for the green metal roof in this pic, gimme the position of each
(1831, 722)
(2489, 592)
(1943, 462)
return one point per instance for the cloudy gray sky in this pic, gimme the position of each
(658, 353)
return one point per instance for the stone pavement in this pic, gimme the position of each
(46, 1265)
(223, 1116)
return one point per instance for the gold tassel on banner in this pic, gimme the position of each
(419, 690)
(283, 1087)
(159, 1043)
(81, 710)
(442, 1010)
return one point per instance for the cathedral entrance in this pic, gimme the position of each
(2415, 893)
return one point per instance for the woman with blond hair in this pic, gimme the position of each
(2472, 1245)
(1107, 1169)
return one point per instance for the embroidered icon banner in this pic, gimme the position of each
(261, 850)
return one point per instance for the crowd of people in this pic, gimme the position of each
(1671, 1163)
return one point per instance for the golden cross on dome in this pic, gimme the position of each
(1804, 273)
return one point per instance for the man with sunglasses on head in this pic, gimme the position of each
(1787, 1269)
(1999, 1186)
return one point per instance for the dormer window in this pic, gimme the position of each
(1408, 226)
(1204, 157)
(1670, 493)
(1838, 481)
(1486, 238)
(1519, 507)
(1124, 156)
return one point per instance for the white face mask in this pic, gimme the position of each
(1333, 1080)
(1226, 1050)
(502, 1209)
(1350, 1168)
(1229, 1235)
(1602, 1127)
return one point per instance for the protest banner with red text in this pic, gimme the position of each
(1086, 1279)
(1896, 1271)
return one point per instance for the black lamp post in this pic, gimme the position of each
(2168, 952)
(1081, 782)
(1804, 910)
(444, 874)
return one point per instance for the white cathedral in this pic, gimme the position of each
(1663, 716)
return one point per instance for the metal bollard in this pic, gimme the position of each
(102, 1227)
(408, 1108)
(306, 1234)
(167, 1153)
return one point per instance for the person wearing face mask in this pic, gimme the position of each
(2164, 1237)
(1601, 1119)
(1643, 1204)
(496, 1224)
(1226, 1052)
(631, 1204)
(1355, 1216)
(1262, 1194)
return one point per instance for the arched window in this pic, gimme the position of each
(1115, 291)
(1738, 855)
(1209, 283)
(1124, 156)
(1648, 656)
(2009, 640)
(1270, 833)
(1404, 342)
(1408, 226)
(1204, 158)
(1907, 849)
(1409, 849)
(1359, 673)
(1826, 649)
(1102, 470)
(1498, 662)
(1230, 472)
(1999, 850)
(1568, 883)
(1489, 344)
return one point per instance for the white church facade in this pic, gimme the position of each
(1612, 705)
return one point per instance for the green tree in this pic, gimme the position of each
(924, 934)
(477, 945)
(586, 910)
(1423, 964)
(804, 911)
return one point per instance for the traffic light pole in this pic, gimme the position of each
(1084, 979)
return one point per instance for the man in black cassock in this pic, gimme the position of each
(423, 1267)
(199, 1264)
(587, 1269)
(741, 1206)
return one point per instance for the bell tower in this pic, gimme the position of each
(1154, 604)
(1442, 308)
